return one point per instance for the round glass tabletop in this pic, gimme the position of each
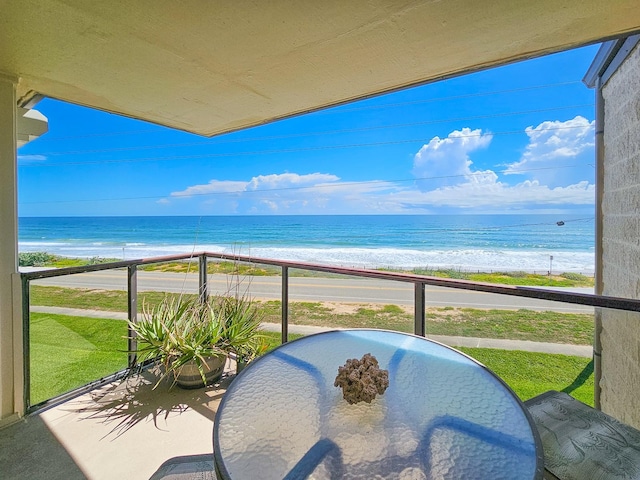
(443, 415)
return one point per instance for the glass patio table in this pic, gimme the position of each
(443, 416)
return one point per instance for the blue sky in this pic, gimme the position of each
(516, 139)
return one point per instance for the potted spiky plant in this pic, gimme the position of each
(192, 339)
(188, 338)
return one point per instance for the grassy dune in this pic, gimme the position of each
(44, 259)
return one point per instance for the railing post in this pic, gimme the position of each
(419, 319)
(26, 342)
(132, 310)
(202, 279)
(285, 304)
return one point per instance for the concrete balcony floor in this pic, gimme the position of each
(124, 430)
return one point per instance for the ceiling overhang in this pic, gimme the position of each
(216, 66)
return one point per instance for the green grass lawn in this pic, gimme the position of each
(531, 325)
(68, 352)
(530, 374)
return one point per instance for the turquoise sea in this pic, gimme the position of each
(468, 242)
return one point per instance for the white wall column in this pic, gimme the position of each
(10, 340)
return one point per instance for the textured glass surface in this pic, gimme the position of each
(443, 416)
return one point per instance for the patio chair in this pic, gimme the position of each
(582, 443)
(190, 467)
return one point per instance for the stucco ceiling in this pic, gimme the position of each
(214, 66)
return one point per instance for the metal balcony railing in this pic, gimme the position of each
(419, 282)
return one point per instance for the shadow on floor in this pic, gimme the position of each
(140, 424)
(123, 405)
(28, 449)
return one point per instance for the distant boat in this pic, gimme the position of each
(560, 223)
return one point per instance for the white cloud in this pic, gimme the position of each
(288, 180)
(497, 196)
(275, 193)
(446, 161)
(261, 182)
(458, 187)
(555, 144)
(31, 158)
(213, 187)
(480, 192)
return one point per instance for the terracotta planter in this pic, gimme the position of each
(189, 376)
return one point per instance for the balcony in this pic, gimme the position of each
(114, 428)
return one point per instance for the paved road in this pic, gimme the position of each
(345, 290)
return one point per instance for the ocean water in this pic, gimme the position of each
(467, 242)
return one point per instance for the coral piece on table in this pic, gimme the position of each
(361, 380)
